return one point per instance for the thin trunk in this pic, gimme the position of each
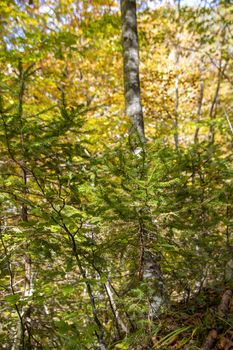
(119, 322)
(133, 105)
(176, 121)
(19, 338)
(214, 105)
(200, 101)
(228, 121)
(20, 330)
(26, 311)
(121, 327)
(101, 333)
(213, 109)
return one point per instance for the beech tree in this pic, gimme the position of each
(96, 237)
(149, 267)
(133, 105)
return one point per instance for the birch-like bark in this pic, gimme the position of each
(133, 108)
(133, 105)
(214, 105)
(151, 273)
(120, 324)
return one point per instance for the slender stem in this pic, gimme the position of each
(200, 101)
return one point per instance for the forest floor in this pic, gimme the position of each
(205, 322)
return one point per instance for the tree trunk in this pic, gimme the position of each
(26, 339)
(133, 106)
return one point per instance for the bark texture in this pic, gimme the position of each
(133, 105)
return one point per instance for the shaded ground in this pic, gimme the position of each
(205, 323)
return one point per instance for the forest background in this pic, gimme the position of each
(108, 242)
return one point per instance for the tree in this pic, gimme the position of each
(149, 269)
(93, 235)
(133, 105)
